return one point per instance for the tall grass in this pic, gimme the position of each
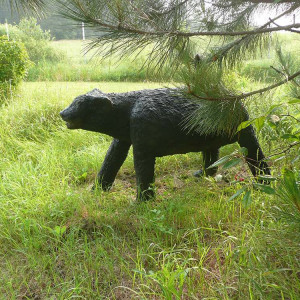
(59, 240)
(89, 71)
(81, 66)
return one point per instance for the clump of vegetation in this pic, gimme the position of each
(36, 41)
(14, 63)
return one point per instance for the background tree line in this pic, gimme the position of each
(60, 28)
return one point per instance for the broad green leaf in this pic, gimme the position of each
(247, 199)
(295, 101)
(288, 136)
(265, 188)
(244, 151)
(220, 161)
(244, 125)
(267, 177)
(296, 130)
(232, 163)
(271, 124)
(239, 192)
(289, 176)
(259, 122)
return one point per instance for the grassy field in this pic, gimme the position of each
(81, 66)
(59, 240)
(78, 66)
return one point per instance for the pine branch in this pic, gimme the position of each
(129, 29)
(272, 1)
(246, 95)
(287, 65)
(278, 71)
(144, 24)
(171, 9)
(83, 14)
(225, 33)
(291, 30)
(220, 55)
(28, 5)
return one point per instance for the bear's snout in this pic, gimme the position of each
(71, 121)
(63, 115)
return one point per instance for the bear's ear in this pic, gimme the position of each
(99, 97)
(94, 92)
(104, 100)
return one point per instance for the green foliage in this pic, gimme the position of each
(14, 64)
(60, 28)
(170, 279)
(36, 41)
(281, 124)
(206, 82)
(70, 70)
(79, 66)
(284, 129)
(259, 70)
(13, 31)
(207, 120)
(129, 27)
(289, 193)
(68, 242)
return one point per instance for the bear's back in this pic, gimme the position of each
(161, 104)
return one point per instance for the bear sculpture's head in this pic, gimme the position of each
(87, 111)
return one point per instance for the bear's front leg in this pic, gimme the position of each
(113, 161)
(144, 170)
(255, 156)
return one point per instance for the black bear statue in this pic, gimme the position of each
(151, 121)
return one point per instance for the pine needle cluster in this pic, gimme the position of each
(32, 6)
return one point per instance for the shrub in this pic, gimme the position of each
(14, 31)
(36, 41)
(14, 63)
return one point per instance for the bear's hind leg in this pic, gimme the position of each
(210, 157)
(113, 161)
(255, 156)
(144, 169)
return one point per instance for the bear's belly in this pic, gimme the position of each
(180, 144)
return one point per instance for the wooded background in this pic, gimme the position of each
(59, 27)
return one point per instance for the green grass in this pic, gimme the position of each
(78, 66)
(81, 66)
(59, 240)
